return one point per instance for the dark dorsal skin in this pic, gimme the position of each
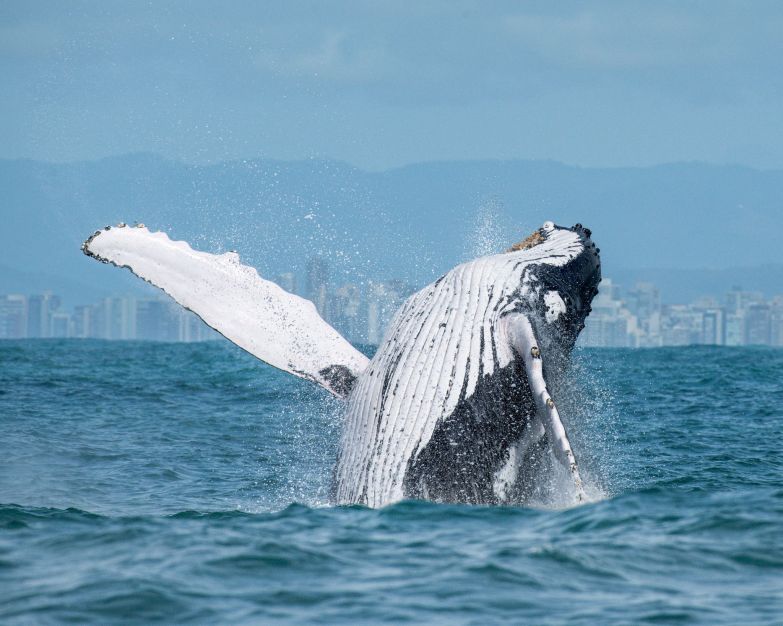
(469, 446)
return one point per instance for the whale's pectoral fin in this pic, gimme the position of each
(523, 340)
(257, 315)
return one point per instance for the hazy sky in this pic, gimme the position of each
(380, 84)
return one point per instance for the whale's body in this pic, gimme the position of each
(456, 404)
(445, 397)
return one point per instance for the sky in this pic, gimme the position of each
(383, 84)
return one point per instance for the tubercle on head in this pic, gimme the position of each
(535, 238)
(540, 236)
(528, 242)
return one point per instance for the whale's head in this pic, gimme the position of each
(564, 270)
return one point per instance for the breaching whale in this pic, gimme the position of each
(458, 402)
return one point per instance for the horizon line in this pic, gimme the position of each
(149, 154)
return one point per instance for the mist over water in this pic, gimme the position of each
(486, 236)
(189, 483)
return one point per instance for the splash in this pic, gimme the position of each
(486, 235)
(555, 489)
(294, 460)
(590, 417)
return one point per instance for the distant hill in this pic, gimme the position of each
(411, 223)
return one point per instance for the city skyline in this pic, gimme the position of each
(639, 320)
(414, 224)
(633, 317)
(38, 316)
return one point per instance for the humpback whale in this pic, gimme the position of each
(458, 404)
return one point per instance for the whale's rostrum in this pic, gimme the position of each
(459, 402)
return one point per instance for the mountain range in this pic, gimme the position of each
(691, 227)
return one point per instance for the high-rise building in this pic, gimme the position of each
(117, 318)
(776, 322)
(60, 325)
(758, 324)
(346, 312)
(610, 324)
(738, 300)
(735, 328)
(383, 301)
(83, 321)
(13, 317)
(39, 309)
(192, 328)
(644, 300)
(644, 303)
(35, 316)
(714, 326)
(682, 325)
(604, 331)
(316, 285)
(155, 321)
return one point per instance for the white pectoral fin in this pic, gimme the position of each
(273, 325)
(523, 340)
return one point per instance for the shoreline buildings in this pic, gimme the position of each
(115, 318)
(633, 318)
(637, 319)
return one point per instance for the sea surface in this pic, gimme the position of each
(175, 483)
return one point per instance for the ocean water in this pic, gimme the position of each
(154, 483)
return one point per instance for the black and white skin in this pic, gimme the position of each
(458, 404)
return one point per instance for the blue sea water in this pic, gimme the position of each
(144, 483)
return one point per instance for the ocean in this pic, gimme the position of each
(189, 484)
